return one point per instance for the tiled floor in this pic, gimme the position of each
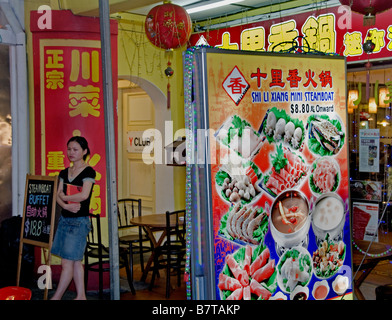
(158, 291)
(381, 275)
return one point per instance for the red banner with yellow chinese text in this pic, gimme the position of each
(68, 94)
(332, 30)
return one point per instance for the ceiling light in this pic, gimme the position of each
(352, 96)
(372, 105)
(383, 123)
(383, 96)
(212, 5)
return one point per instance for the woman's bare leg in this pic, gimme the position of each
(78, 276)
(65, 278)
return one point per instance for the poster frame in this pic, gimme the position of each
(202, 206)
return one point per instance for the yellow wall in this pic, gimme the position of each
(138, 57)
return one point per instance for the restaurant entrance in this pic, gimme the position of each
(370, 140)
(370, 132)
(142, 169)
(137, 178)
(142, 106)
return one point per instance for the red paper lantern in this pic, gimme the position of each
(367, 6)
(168, 26)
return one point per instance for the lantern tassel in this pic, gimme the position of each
(168, 72)
(168, 94)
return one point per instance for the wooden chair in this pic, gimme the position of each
(136, 239)
(100, 254)
(171, 255)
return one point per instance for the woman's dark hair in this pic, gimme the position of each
(83, 144)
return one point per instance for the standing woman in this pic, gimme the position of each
(73, 196)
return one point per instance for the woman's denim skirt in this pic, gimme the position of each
(71, 237)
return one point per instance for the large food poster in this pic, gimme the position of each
(279, 176)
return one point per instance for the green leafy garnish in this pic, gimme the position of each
(239, 124)
(237, 127)
(279, 161)
(221, 176)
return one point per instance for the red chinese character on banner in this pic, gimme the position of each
(236, 85)
(310, 74)
(276, 75)
(258, 75)
(325, 79)
(293, 78)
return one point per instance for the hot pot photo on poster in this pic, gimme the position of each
(290, 220)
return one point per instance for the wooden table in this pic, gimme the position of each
(370, 262)
(151, 224)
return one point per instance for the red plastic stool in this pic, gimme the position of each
(15, 293)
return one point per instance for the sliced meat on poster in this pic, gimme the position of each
(286, 172)
(325, 176)
(251, 268)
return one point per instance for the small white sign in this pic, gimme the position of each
(365, 221)
(136, 142)
(369, 150)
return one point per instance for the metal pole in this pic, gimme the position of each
(110, 148)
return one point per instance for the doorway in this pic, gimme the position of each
(142, 106)
(138, 177)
